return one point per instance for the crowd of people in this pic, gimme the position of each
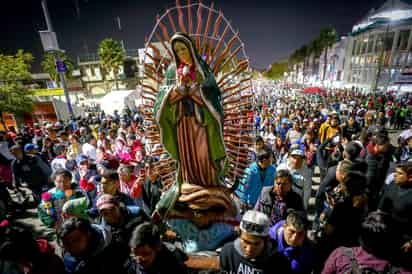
(94, 183)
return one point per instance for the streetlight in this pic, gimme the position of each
(50, 44)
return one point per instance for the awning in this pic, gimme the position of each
(314, 90)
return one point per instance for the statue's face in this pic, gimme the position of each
(182, 53)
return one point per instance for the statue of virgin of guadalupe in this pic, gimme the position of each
(189, 113)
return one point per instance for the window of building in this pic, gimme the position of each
(379, 43)
(388, 40)
(355, 44)
(362, 46)
(362, 60)
(364, 76)
(355, 76)
(403, 39)
(370, 43)
(402, 58)
(365, 45)
(92, 74)
(386, 58)
(369, 60)
(87, 71)
(409, 61)
(396, 59)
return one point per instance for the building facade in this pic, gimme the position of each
(379, 47)
(96, 81)
(335, 64)
(374, 56)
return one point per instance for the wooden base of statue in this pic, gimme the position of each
(199, 262)
(204, 218)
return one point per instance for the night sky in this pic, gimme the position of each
(270, 29)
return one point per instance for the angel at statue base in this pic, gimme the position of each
(189, 113)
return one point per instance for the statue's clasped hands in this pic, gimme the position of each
(187, 86)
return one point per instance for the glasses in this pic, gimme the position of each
(252, 227)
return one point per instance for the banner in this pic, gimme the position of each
(48, 92)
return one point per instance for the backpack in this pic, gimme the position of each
(359, 269)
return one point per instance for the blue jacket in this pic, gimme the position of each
(301, 258)
(282, 132)
(255, 179)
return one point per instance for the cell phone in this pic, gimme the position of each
(336, 140)
(142, 172)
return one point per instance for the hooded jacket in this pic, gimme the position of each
(102, 258)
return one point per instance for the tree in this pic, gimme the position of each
(327, 37)
(111, 56)
(316, 49)
(48, 65)
(296, 58)
(15, 98)
(302, 56)
(276, 71)
(256, 74)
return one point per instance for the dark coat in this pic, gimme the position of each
(168, 260)
(33, 171)
(328, 183)
(103, 258)
(275, 209)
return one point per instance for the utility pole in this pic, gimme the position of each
(57, 58)
(119, 26)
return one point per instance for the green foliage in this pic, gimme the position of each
(297, 56)
(14, 71)
(256, 74)
(327, 37)
(300, 54)
(48, 65)
(15, 67)
(111, 56)
(316, 47)
(276, 70)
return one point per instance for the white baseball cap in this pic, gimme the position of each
(297, 152)
(255, 223)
